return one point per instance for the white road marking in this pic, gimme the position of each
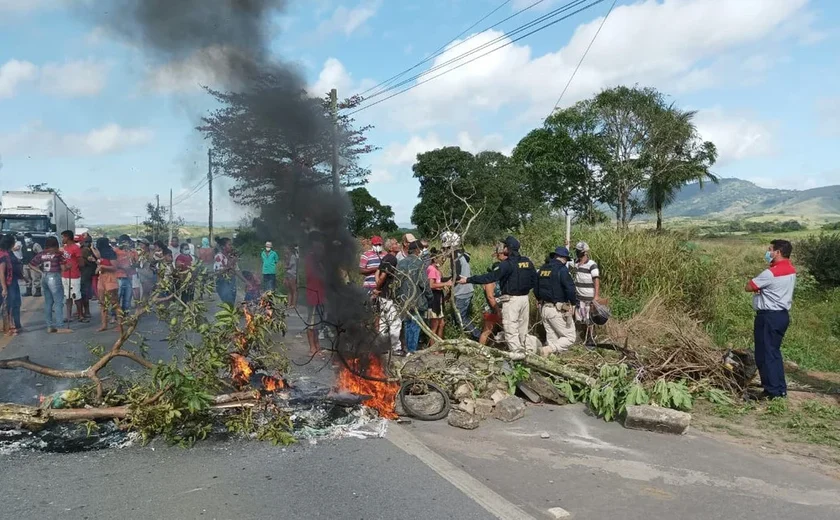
(493, 502)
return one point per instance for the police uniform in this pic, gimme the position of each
(516, 277)
(555, 292)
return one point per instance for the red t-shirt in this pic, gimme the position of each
(314, 281)
(72, 255)
(183, 262)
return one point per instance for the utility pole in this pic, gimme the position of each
(210, 185)
(334, 114)
(137, 226)
(568, 229)
(157, 213)
(170, 216)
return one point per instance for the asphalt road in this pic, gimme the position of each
(584, 469)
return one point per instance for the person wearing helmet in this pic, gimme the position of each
(555, 293)
(517, 277)
(588, 287)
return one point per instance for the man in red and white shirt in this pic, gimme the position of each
(772, 298)
(369, 263)
(71, 276)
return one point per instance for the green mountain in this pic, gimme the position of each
(736, 197)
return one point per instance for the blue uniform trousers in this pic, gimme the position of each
(769, 330)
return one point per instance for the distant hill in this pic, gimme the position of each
(736, 197)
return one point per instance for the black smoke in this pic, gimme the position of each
(230, 40)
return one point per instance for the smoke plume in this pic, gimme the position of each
(231, 41)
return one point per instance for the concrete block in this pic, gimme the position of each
(467, 405)
(657, 419)
(510, 409)
(484, 408)
(499, 395)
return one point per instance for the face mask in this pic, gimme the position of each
(377, 249)
(268, 249)
(425, 250)
(768, 256)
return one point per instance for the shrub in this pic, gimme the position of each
(821, 256)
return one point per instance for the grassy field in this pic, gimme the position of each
(703, 277)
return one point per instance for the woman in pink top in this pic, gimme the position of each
(435, 312)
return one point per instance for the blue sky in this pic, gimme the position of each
(95, 119)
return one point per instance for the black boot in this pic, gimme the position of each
(28, 291)
(38, 292)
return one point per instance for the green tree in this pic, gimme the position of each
(451, 179)
(624, 119)
(563, 162)
(368, 215)
(156, 225)
(674, 155)
(276, 148)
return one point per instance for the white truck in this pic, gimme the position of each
(41, 213)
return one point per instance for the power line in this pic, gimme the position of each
(581, 59)
(595, 2)
(437, 52)
(521, 28)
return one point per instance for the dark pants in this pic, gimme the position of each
(226, 289)
(463, 305)
(14, 303)
(269, 282)
(769, 330)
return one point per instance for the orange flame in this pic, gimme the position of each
(272, 384)
(240, 369)
(382, 394)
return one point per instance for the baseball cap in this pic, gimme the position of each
(562, 251)
(376, 240)
(268, 244)
(512, 243)
(582, 246)
(414, 245)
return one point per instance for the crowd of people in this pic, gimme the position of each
(70, 271)
(406, 282)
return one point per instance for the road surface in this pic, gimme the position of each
(584, 469)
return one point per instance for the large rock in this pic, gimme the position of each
(543, 388)
(499, 395)
(462, 419)
(510, 409)
(463, 391)
(484, 408)
(428, 404)
(657, 419)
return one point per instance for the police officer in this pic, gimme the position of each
(32, 276)
(516, 276)
(555, 293)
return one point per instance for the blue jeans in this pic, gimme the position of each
(14, 302)
(769, 331)
(412, 335)
(463, 304)
(125, 294)
(53, 291)
(226, 289)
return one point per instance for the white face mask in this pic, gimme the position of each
(377, 249)
(425, 250)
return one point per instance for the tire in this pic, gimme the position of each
(444, 411)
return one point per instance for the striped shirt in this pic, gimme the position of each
(370, 260)
(585, 275)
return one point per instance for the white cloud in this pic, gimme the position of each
(736, 136)
(13, 73)
(70, 79)
(347, 21)
(35, 140)
(74, 78)
(667, 44)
